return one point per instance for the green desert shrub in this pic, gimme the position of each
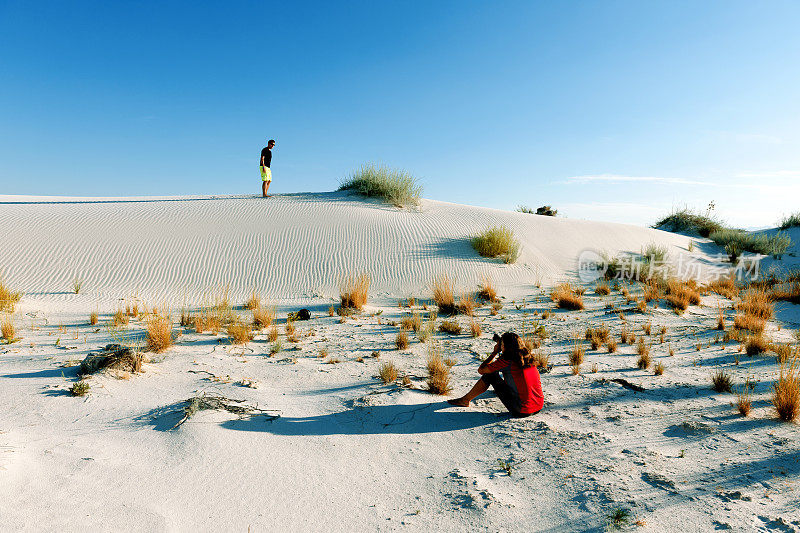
(736, 241)
(790, 221)
(687, 221)
(395, 186)
(497, 241)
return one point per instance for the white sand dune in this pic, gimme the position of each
(349, 453)
(291, 246)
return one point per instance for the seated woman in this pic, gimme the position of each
(519, 386)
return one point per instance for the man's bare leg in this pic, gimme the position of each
(265, 188)
(479, 388)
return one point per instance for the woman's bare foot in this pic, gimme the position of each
(460, 402)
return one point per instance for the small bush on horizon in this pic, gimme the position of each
(687, 221)
(736, 241)
(395, 186)
(790, 221)
(545, 210)
(497, 241)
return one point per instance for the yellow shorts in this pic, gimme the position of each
(266, 174)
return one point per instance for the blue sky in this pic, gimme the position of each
(605, 110)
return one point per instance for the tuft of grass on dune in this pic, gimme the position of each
(353, 291)
(566, 297)
(159, 333)
(8, 298)
(395, 186)
(786, 391)
(687, 221)
(497, 241)
(790, 221)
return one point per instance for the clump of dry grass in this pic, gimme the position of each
(239, 332)
(652, 290)
(438, 372)
(466, 305)
(401, 341)
(577, 354)
(450, 326)
(497, 241)
(486, 290)
(8, 330)
(743, 401)
(566, 297)
(186, 318)
(353, 291)
(442, 288)
(681, 294)
(331, 311)
(474, 329)
(757, 303)
(8, 298)
(120, 318)
(644, 355)
(721, 381)
(159, 332)
(496, 307)
(659, 368)
(263, 317)
(388, 372)
(782, 351)
(724, 287)
(93, 317)
(412, 322)
(542, 360)
(253, 302)
(272, 335)
(611, 345)
(786, 391)
(750, 323)
(720, 321)
(647, 328)
(602, 289)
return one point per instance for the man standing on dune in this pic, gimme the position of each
(266, 173)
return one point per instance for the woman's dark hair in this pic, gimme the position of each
(514, 349)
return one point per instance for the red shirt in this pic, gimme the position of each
(526, 381)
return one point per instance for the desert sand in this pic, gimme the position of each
(347, 452)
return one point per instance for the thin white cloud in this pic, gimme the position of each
(616, 178)
(787, 174)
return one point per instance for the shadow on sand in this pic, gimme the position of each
(373, 420)
(370, 420)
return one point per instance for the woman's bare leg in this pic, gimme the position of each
(479, 388)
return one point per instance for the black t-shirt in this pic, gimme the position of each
(266, 153)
